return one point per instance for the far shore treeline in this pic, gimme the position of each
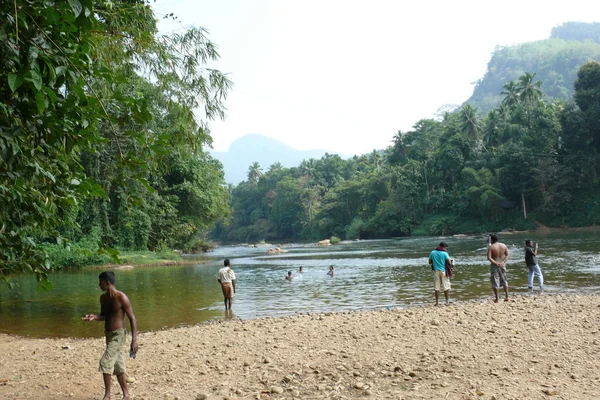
(513, 157)
(104, 126)
(529, 161)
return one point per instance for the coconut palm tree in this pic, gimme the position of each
(276, 167)
(530, 92)
(471, 127)
(308, 168)
(511, 94)
(254, 172)
(469, 121)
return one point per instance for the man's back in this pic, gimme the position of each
(226, 275)
(497, 252)
(438, 259)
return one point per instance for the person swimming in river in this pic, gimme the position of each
(289, 276)
(331, 271)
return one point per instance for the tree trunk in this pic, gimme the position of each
(524, 206)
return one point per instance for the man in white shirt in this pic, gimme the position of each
(226, 278)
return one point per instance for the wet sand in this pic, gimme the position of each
(534, 347)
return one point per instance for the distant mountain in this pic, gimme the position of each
(264, 150)
(555, 61)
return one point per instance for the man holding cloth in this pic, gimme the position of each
(439, 259)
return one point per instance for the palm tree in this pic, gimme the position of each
(529, 91)
(308, 168)
(511, 94)
(470, 125)
(276, 167)
(375, 159)
(490, 135)
(398, 150)
(254, 172)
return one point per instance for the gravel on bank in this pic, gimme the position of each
(533, 347)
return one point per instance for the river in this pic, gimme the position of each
(368, 274)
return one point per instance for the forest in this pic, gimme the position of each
(104, 126)
(528, 161)
(555, 62)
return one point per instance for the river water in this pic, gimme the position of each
(368, 274)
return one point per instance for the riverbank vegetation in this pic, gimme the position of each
(104, 126)
(101, 145)
(529, 160)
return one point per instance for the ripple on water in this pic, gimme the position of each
(368, 274)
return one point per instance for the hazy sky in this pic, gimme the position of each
(345, 75)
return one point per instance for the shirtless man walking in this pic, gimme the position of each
(498, 255)
(114, 305)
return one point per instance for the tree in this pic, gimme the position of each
(470, 125)
(254, 173)
(398, 153)
(530, 92)
(587, 97)
(511, 94)
(60, 65)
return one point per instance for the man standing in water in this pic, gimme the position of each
(439, 259)
(227, 280)
(498, 255)
(531, 252)
(114, 305)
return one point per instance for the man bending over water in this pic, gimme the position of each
(498, 256)
(114, 305)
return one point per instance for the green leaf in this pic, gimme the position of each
(79, 92)
(75, 181)
(114, 254)
(14, 81)
(35, 78)
(60, 70)
(40, 101)
(76, 7)
(51, 95)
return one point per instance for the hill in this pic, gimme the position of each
(555, 61)
(264, 150)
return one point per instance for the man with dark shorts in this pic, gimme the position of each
(226, 278)
(114, 305)
(498, 255)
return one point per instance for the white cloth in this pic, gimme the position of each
(226, 275)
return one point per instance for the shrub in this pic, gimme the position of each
(334, 240)
(199, 245)
(76, 255)
(354, 230)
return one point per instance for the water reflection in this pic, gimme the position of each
(368, 274)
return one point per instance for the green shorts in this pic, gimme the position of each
(112, 360)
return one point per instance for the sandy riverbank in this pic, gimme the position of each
(539, 347)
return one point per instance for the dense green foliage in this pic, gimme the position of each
(555, 62)
(99, 141)
(527, 161)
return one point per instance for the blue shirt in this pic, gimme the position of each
(439, 259)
